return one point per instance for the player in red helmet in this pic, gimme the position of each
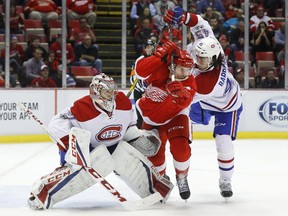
(165, 106)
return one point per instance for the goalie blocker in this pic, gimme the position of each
(72, 178)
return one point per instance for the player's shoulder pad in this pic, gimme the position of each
(84, 110)
(123, 102)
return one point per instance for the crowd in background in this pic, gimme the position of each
(36, 58)
(226, 17)
(266, 34)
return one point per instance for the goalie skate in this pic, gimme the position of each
(183, 187)
(225, 189)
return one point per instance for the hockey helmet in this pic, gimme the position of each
(208, 48)
(103, 90)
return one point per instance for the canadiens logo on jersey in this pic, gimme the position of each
(109, 132)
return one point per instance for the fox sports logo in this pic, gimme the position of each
(275, 111)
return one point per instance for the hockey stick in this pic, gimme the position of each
(129, 205)
(30, 113)
(132, 87)
(172, 55)
(157, 43)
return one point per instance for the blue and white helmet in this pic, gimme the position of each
(103, 91)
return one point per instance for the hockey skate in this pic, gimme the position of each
(34, 204)
(183, 187)
(225, 189)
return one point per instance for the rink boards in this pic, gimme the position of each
(265, 113)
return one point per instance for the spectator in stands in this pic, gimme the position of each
(209, 13)
(217, 5)
(16, 19)
(137, 11)
(15, 58)
(270, 81)
(260, 17)
(281, 67)
(239, 76)
(167, 3)
(57, 77)
(237, 37)
(79, 8)
(42, 10)
(142, 34)
(229, 53)
(262, 39)
(177, 36)
(230, 11)
(43, 81)
(272, 6)
(232, 23)
(87, 55)
(52, 63)
(34, 43)
(158, 18)
(32, 67)
(2, 78)
(192, 8)
(217, 28)
(279, 38)
(145, 15)
(56, 47)
(77, 35)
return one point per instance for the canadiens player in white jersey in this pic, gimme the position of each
(218, 93)
(108, 115)
(165, 106)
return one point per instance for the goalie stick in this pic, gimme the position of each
(97, 177)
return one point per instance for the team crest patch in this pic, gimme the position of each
(109, 132)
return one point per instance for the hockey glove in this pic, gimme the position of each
(166, 50)
(175, 16)
(179, 94)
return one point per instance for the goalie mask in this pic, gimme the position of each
(208, 50)
(103, 91)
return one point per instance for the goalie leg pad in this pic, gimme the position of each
(69, 180)
(61, 184)
(79, 143)
(102, 160)
(138, 172)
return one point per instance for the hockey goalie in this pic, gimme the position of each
(98, 131)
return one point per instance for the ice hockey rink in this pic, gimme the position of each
(260, 183)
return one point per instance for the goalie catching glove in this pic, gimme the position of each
(146, 142)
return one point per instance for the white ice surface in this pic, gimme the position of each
(260, 183)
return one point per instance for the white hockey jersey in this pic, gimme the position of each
(217, 90)
(107, 130)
